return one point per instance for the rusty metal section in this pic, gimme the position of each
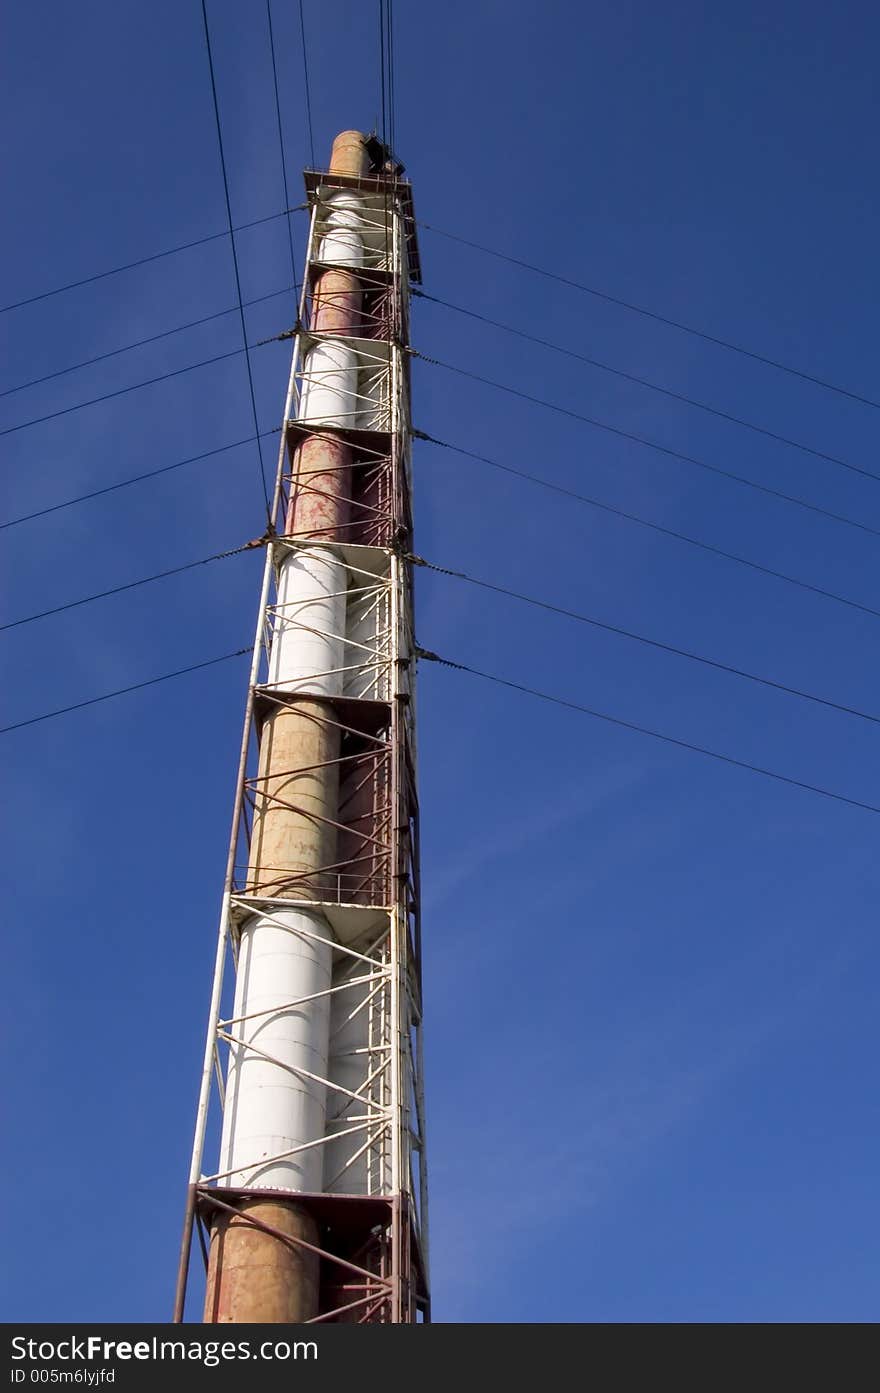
(268, 1271)
(360, 1258)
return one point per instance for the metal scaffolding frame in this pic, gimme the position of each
(373, 1247)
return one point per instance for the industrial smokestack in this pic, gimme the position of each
(317, 1208)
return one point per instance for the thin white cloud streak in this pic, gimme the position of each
(581, 799)
(608, 1131)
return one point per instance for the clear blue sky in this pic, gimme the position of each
(650, 979)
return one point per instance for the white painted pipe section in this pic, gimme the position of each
(343, 242)
(373, 412)
(329, 395)
(366, 652)
(308, 644)
(349, 1067)
(270, 1109)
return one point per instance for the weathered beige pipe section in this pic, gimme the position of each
(254, 1276)
(291, 850)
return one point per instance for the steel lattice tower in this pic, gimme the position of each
(316, 1209)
